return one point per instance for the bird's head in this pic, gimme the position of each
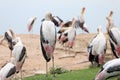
(48, 16)
(110, 23)
(99, 29)
(16, 40)
(12, 33)
(83, 11)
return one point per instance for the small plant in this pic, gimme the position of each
(57, 70)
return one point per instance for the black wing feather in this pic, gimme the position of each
(112, 37)
(43, 50)
(11, 72)
(22, 53)
(113, 49)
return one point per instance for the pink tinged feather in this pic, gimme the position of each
(49, 49)
(70, 43)
(62, 38)
(29, 28)
(118, 50)
(100, 76)
(19, 66)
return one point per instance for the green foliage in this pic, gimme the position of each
(57, 70)
(85, 74)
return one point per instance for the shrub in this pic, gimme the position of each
(57, 70)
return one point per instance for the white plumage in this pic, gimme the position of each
(97, 48)
(48, 39)
(49, 32)
(18, 53)
(31, 22)
(109, 69)
(7, 71)
(114, 36)
(8, 36)
(68, 37)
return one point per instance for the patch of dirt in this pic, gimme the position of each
(35, 63)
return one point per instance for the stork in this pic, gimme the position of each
(97, 48)
(31, 22)
(114, 36)
(109, 69)
(7, 71)
(8, 36)
(19, 54)
(80, 21)
(48, 39)
(68, 36)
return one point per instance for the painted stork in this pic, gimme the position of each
(19, 54)
(109, 69)
(114, 36)
(7, 71)
(97, 48)
(80, 21)
(48, 39)
(8, 36)
(31, 21)
(68, 36)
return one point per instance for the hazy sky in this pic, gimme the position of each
(15, 13)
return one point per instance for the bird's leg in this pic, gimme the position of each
(1, 40)
(69, 50)
(46, 69)
(21, 74)
(65, 49)
(53, 66)
(15, 76)
(11, 54)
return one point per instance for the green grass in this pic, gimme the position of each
(85, 74)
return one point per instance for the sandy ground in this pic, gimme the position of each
(35, 63)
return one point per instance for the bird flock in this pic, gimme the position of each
(66, 36)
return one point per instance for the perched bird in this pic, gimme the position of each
(7, 71)
(109, 69)
(48, 39)
(19, 54)
(31, 21)
(97, 48)
(8, 36)
(114, 36)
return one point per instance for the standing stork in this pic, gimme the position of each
(114, 36)
(48, 39)
(109, 69)
(97, 48)
(19, 54)
(68, 36)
